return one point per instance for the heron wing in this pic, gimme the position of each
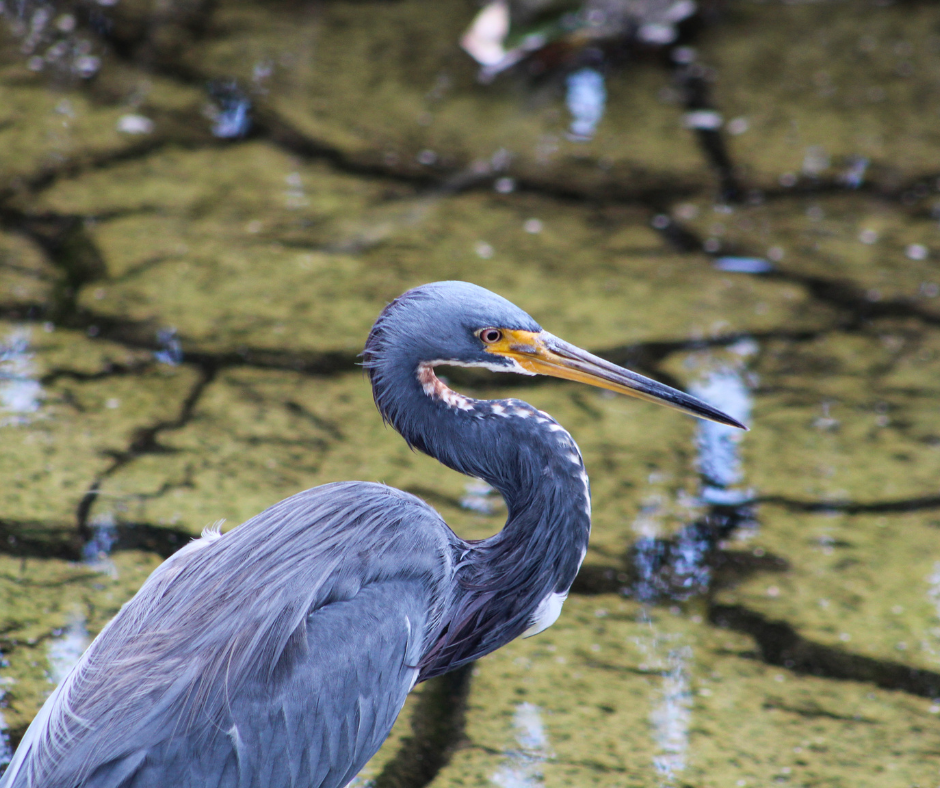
(315, 724)
(278, 654)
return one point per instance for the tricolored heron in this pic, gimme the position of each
(280, 653)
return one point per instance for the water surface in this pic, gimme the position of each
(202, 209)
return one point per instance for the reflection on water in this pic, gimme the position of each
(672, 715)
(586, 99)
(677, 568)
(479, 498)
(96, 552)
(6, 752)
(295, 197)
(20, 392)
(672, 568)
(743, 265)
(523, 767)
(66, 649)
(134, 123)
(854, 175)
(49, 41)
(231, 110)
(171, 351)
(932, 642)
(689, 571)
(718, 459)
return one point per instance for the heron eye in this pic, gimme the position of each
(491, 335)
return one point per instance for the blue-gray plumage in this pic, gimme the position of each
(279, 654)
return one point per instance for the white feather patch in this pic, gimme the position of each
(546, 614)
(212, 532)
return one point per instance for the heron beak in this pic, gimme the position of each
(541, 353)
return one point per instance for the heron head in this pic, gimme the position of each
(462, 324)
(448, 323)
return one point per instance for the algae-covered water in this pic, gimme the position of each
(204, 205)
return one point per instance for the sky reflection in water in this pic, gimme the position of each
(523, 766)
(20, 391)
(677, 568)
(66, 648)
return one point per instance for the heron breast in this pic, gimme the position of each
(546, 613)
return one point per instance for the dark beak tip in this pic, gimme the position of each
(723, 418)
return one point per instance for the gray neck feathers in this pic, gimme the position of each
(535, 465)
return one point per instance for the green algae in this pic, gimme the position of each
(421, 89)
(193, 256)
(834, 75)
(49, 461)
(25, 275)
(605, 731)
(862, 431)
(601, 674)
(881, 247)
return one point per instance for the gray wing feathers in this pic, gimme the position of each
(278, 654)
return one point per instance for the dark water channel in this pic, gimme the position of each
(203, 206)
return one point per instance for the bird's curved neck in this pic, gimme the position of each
(516, 580)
